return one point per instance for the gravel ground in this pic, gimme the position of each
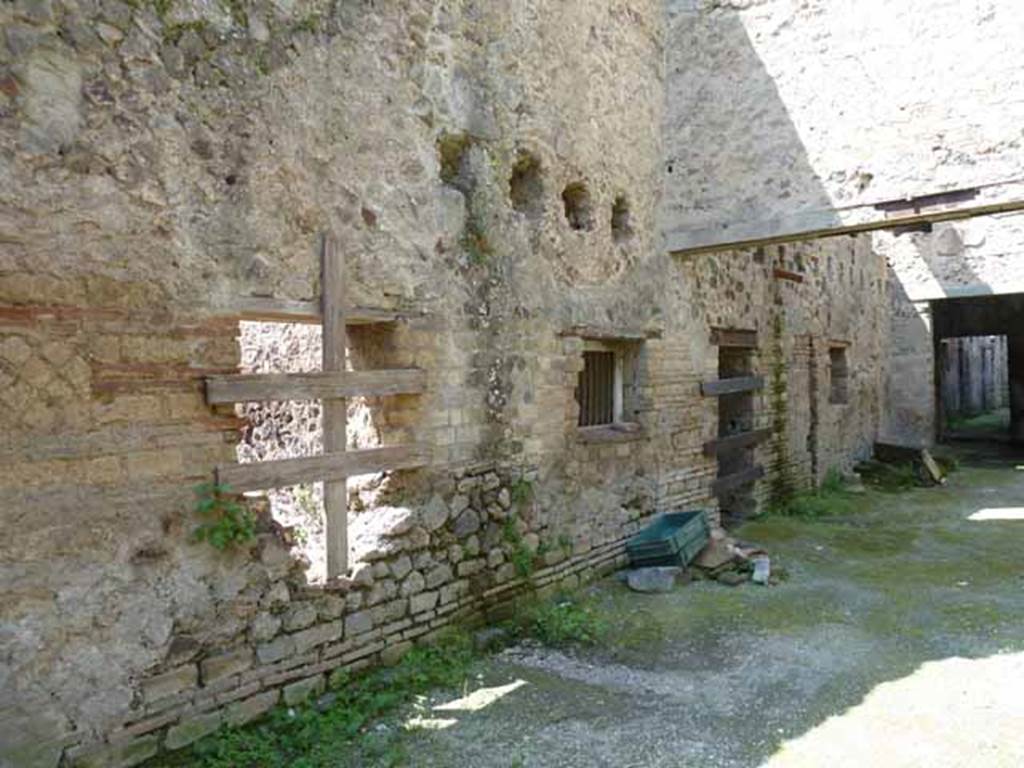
(898, 640)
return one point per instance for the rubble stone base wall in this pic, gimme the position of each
(442, 568)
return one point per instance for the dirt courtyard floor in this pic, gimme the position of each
(897, 640)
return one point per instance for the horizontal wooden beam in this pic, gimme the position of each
(736, 480)
(731, 386)
(611, 334)
(332, 466)
(734, 337)
(736, 442)
(314, 386)
(892, 452)
(258, 308)
(949, 205)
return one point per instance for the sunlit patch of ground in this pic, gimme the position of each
(954, 712)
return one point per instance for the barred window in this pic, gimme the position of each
(597, 393)
(608, 386)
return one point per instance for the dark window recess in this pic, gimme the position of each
(596, 391)
(839, 376)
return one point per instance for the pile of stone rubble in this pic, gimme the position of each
(723, 560)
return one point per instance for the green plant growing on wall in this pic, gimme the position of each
(238, 11)
(781, 488)
(521, 556)
(310, 23)
(226, 522)
(565, 543)
(474, 240)
(174, 32)
(521, 491)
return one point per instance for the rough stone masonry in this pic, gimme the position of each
(494, 173)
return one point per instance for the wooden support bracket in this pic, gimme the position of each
(333, 468)
(271, 310)
(736, 442)
(732, 386)
(313, 386)
(736, 480)
(734, 337)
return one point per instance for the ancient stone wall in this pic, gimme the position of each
(803, 300)
(493, 173)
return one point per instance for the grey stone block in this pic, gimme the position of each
(653, 579)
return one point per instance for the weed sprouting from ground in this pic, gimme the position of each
(891, 478)
(563, 622)
(831, 498)
(833, 482)
(335, 732)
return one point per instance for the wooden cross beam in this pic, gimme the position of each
(335, 343)
(332, 386)
(264, 387)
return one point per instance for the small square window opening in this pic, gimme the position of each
(600, 388)
(607, 388)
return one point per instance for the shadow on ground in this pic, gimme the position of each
(898, 639)
(993, 426)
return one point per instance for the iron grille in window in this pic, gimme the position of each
(596, 392)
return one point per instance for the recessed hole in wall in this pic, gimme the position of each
(578, 207)
(839, 376)
(622, 224)
(526, 186)
(735, 417)
(453, 153)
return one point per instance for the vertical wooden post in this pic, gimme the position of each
(334, 410)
